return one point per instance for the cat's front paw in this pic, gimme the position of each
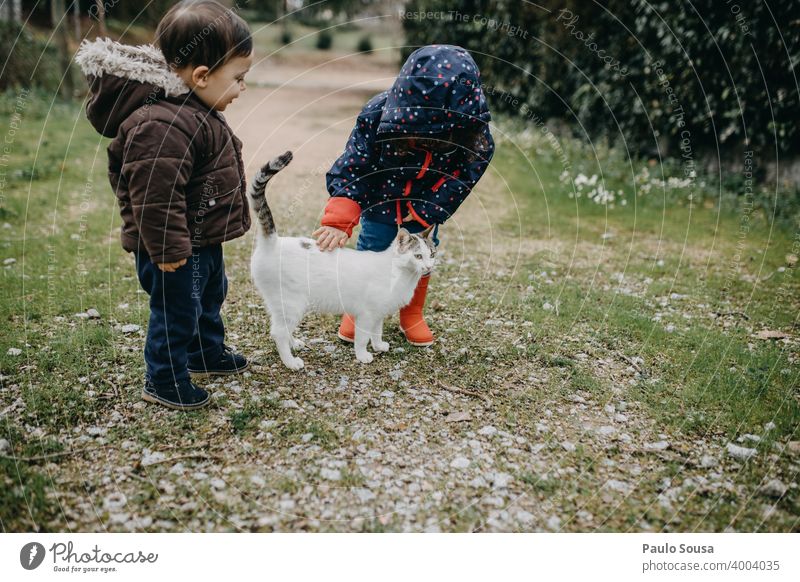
(365, 358)
(295, 364)
(381, 346)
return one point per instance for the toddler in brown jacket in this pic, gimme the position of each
(176, 168)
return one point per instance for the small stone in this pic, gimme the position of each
(307, 437)
(115, 501)
(330, 474)
(500, 480)
(609, 408)
(289, 404)
(568, 446)
(151, 458)
(459, 463)
(707, 461)
(525, 517)
(548, 307)
(14, 352)
(130, 328)
(478, 482)
(396, 374)
(606, 430)
(387, 394)
(554, 522)
(657, 446)
(749, 437)
(740, 453)
(458, 417)
(774, 488)
(218, 483)
(9, 261)
(618, 486)
(620, 418)
(364, 495)
(82, 315)
(487, 430)
(4, 445)
(93, 313)
(793, 447)
(769, 426)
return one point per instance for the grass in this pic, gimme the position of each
(706, 377)
(711, 378)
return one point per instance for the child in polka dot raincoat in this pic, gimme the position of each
(414, 155)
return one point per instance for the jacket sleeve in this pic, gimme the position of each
(349, 180)
(451, 190)
(157, 166)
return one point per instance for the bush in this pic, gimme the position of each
(364, 45)
(324, 40)
(286, 36)
(643, 72)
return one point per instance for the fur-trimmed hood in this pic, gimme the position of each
(122, 79)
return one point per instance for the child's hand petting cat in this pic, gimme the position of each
(171, 267)
(329, 238)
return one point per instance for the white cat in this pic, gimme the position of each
(295, 277)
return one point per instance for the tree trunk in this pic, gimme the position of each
(58, 19)
(76, 19)
(101, 18)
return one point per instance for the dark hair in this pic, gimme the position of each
(472, 140)
(202, 33)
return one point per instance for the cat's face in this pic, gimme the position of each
(415, 252)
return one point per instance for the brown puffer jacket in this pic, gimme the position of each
(174, 163)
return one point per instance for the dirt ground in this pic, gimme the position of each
(471, 434)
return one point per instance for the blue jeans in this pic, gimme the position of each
(185, 322)
(377, 236)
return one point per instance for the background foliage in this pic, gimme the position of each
(728, 65)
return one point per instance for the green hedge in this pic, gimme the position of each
(545, 61)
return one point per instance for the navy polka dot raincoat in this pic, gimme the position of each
(438, 91)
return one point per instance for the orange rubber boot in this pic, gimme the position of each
(347, 329)
(412, 321)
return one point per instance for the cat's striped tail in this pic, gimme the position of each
(258, 186)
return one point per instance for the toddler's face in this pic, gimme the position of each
(220, 87)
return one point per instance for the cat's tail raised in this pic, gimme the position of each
(257, 188)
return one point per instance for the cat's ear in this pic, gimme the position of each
(403, 239)
(427, 232)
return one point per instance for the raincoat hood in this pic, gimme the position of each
(438, 89)
(123, 78)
